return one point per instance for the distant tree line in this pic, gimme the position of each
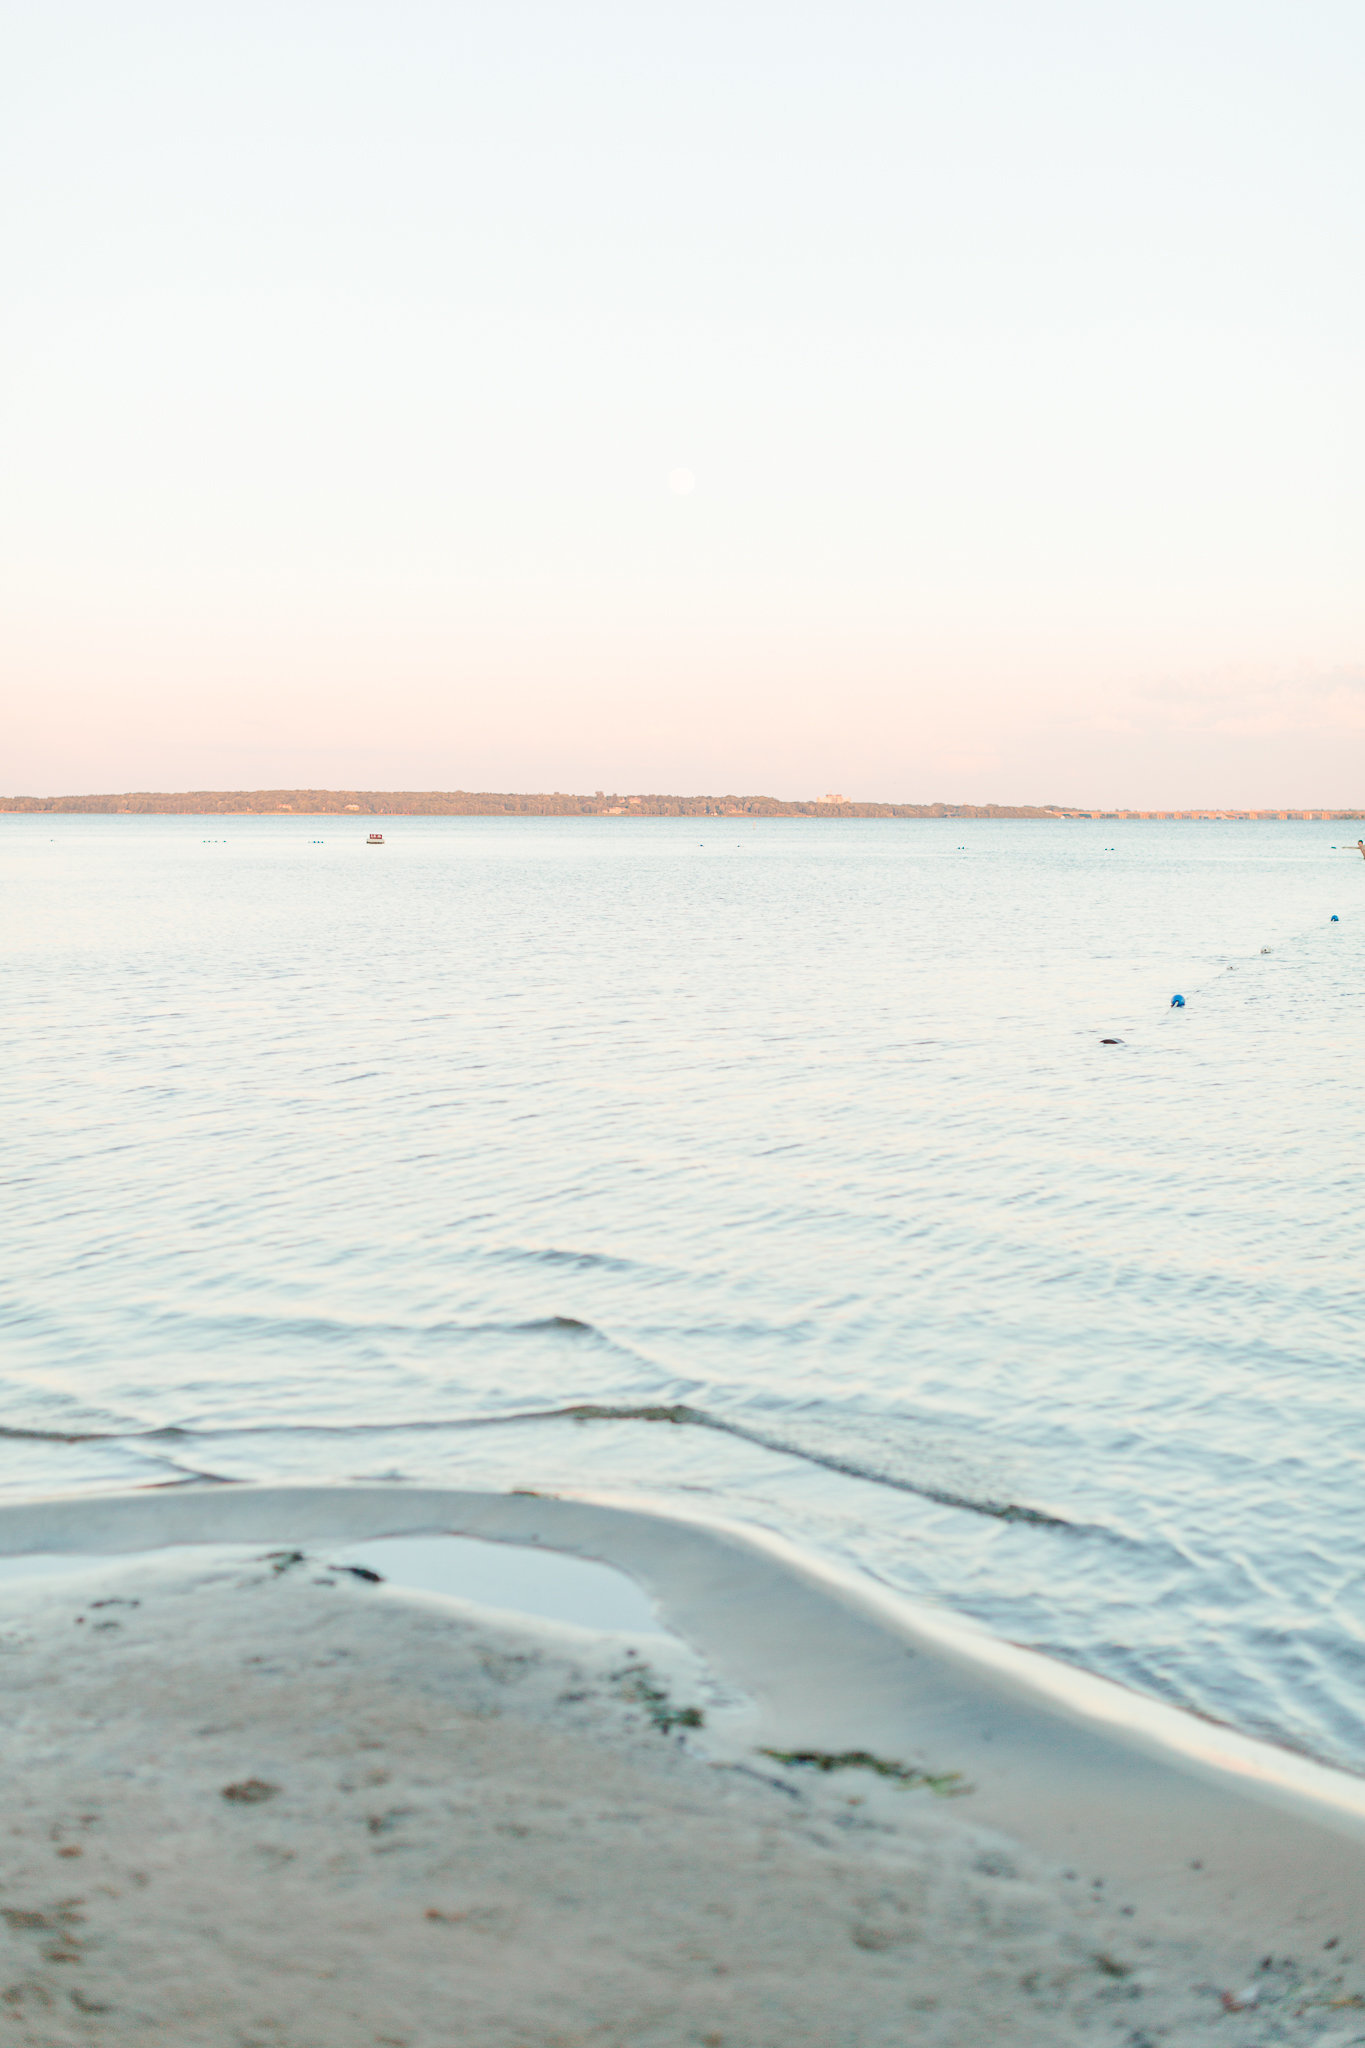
(460, 803)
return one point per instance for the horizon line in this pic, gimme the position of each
(558, 803)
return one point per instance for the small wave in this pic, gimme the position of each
(677, 1413)
(697, 1418)
(577, 1262)
(243, 1327)
(71, 1436)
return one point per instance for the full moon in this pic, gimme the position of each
(681, 482)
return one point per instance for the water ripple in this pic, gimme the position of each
(478, 1161)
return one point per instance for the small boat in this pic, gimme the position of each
(376, 839)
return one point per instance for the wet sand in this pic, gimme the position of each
(253, 1799)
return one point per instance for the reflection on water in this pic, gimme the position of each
(790, 1156)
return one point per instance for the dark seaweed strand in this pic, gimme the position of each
(948, 1784)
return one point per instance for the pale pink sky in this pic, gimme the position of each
(350, 356)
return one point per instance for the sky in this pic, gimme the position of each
(906, 400)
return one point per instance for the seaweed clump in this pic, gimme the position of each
(638, 1684)
(948, 1784)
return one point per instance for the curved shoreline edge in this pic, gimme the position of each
(1196, 1820)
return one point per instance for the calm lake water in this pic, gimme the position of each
(323, 1161)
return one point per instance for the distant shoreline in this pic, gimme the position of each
(459, 803)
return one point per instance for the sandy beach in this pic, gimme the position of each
(257, 1801)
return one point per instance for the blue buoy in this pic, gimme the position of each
(1335, 918)
(1177, 1002)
